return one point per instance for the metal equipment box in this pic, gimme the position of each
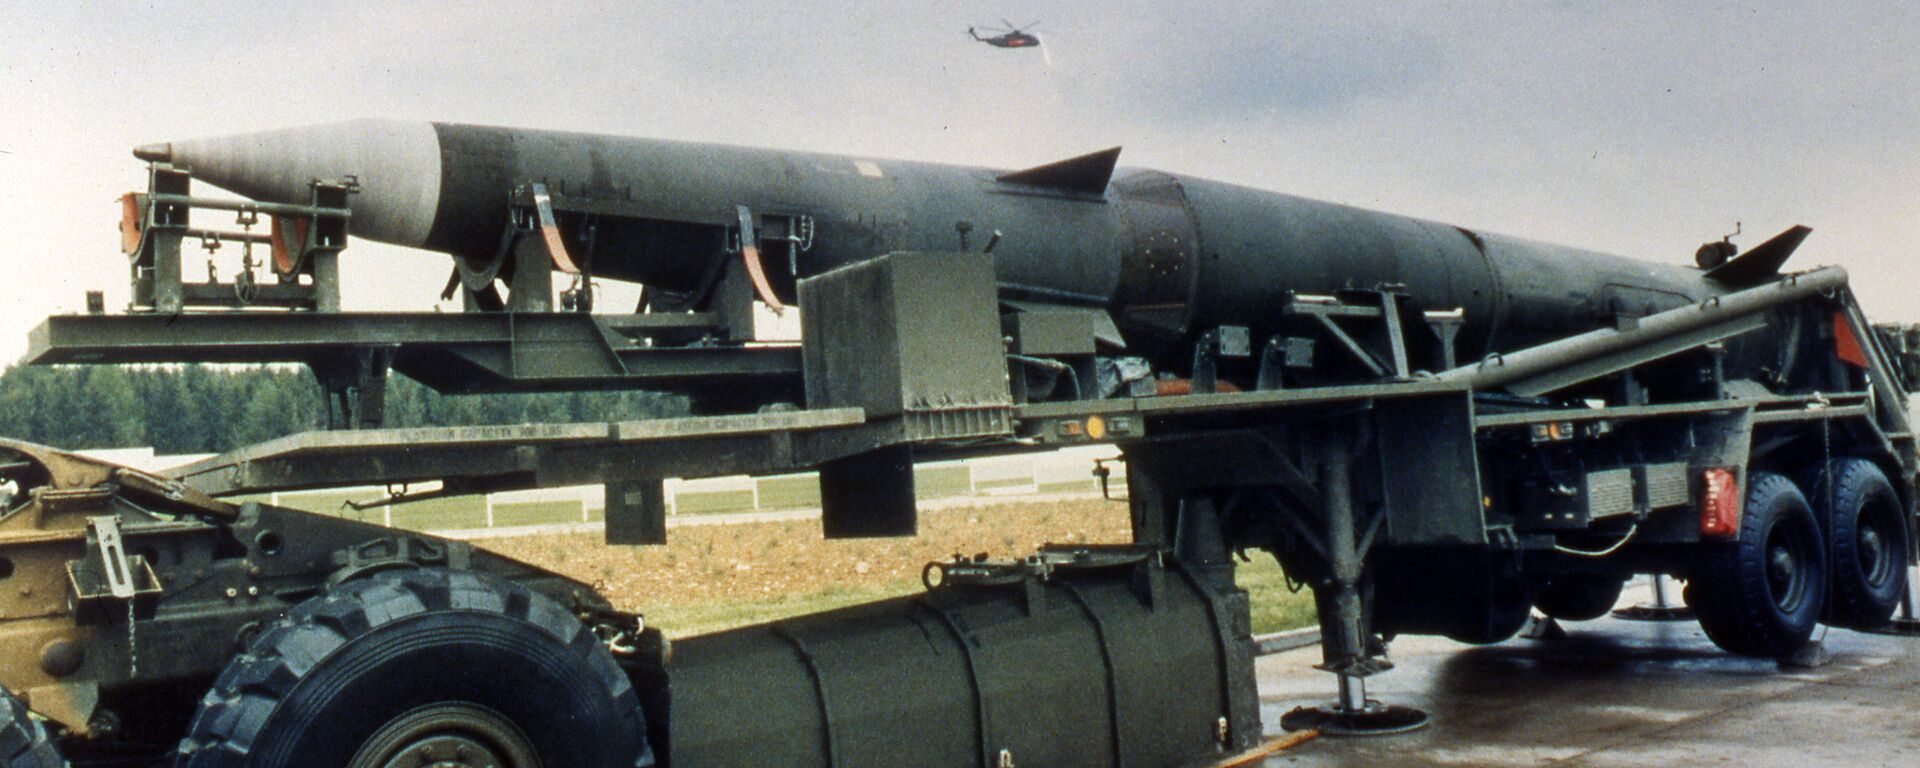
(910, 335)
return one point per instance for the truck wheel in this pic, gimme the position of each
(1501, 614)
(421, 668)
(1578, 598)
(1760, 594)
(24, 742)
(1866, 542)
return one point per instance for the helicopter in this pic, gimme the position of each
(1010, 37)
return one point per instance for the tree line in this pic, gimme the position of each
(208, 409)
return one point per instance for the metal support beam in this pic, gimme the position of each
(355, 385)
(636, 511)
(869, 495)
(452, 352)
(1600, 352)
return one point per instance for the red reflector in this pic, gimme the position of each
(1846, 346)
(289, 238)
(1719, 503)
(129, 223)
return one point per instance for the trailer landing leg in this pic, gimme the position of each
(1353, 714)
(1661, 609)
(1347, 642)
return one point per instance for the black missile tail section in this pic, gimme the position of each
(1762, 263)
(1086, 175)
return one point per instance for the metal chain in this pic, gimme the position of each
(133, 663)
(1827, 481)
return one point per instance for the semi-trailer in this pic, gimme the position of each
(1437, 430)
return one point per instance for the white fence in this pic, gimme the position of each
(1064, 473)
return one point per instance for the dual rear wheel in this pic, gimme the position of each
(1837, 553)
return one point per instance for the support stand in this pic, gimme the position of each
(355, 384)
(1346, 641)
(1543, 628)
(1355, 715)
(1661, 609)
(1813, 655)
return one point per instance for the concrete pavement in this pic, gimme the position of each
(1618, 693)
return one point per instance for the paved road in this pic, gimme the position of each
(1619, 693)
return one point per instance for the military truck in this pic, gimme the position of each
(1437, 430)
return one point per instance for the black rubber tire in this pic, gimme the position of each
(1761, 594)
(373, 653)
(1867, 545)
(24, 741)
(1501, 615)
(1578, 598)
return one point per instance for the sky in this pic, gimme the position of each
(1637, 128)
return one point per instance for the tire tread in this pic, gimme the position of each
(1729, 595)
(245, 694)
(24, 741)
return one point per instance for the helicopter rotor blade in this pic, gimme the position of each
(1030, 26)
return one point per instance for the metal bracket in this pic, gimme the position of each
(354, 385)
(304, 239)
(1280, 353)
(113, 555)
(116, 575)
(550, 229)
(1224, 341)
(1383, 305)
(1446, 327)
(750, 255)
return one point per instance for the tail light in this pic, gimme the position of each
(1719, 503)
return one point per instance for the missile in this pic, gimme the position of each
(1168, 256)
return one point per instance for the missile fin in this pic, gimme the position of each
(1084, 175)
(1762, 262)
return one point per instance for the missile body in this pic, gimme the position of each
(1168, 256)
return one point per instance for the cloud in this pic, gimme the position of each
(1255, 64)
(1636, 128)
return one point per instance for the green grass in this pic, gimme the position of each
(712, 502)
(328, 503)
(457, 513)
(795, 492)
(685, 620)
(1273, 607)
(1004, 482)
(535, 513)
(1070, 486)
(940, 482)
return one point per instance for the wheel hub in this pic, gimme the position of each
(445, 752)
(1874, 559)
(447, 735)
(1780, 568)
(1786, 574)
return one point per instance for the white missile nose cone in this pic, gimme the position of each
(397, 164)
(158, 153)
